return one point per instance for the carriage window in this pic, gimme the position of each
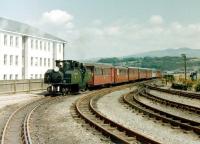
(98, 71)
(123, 72)
(106, 71)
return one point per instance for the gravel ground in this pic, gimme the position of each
(53, 124)
(6, 100)
(172, 110)
(176, 98)
(9, 103)
(142, 124)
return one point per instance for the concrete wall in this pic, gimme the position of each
(16, 86)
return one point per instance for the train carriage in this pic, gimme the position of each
(148, 73)
(121, 75)
(102, 74)
(154, 73)
(142, 73)
(158, 74)
(133, 73)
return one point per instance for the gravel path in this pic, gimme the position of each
(172, 110)
(53, 124)
(176, 98)
(9, 103)
(6, 100)
(109, 105)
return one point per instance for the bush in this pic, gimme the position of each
(179, 86)
(197, 87)
(188, 83)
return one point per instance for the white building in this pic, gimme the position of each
(26, 52)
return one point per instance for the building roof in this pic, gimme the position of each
(25, 29)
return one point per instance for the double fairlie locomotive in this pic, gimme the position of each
(72, 76)
(67, 76)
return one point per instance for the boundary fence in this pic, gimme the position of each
(17, 86)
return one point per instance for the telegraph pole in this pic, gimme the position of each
(184, 58)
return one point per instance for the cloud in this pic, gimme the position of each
(98, 39)
(57, 17)
(97, 22)
(130, 38)
(156, 20)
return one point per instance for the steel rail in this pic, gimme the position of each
(175, 92)
(172, 103)
(86, 109)
(132, 100)
(25, 132)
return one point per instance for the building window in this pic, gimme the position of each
(36, 76)
(5, 77)
(40, 75)
(10, 76)
(17, 42)
(40, 61)
(16, 60)
(40, 45)
(5, 40)
(31, 76)
(11, 59)
(48, 46)
(31, 43)
(31, 61)
(5, 59)
(48, 62)
(36, 44)
(36, 61)
(44, 61)
(11, 40)
(45, 46)
(16, 76)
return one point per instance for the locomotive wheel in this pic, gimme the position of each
(64, 91)
(49, 89)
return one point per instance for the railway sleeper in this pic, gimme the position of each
(173, 121)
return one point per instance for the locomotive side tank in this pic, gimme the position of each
(67, 76)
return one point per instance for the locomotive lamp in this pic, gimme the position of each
(56, 69)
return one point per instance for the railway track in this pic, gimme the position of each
(175, 92)
(16, 129)
(86, 109)
(132, 100)
(171, 103)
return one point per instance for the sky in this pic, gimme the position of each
(111, 28)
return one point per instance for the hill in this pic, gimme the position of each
(166, 63)
(169, 52)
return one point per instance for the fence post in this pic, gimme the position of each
(14, 84)
(42, 85)
(29, 85)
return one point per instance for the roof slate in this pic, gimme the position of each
(18, 27)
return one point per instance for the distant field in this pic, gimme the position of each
(182, 76)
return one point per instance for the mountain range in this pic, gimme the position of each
(169, 52)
